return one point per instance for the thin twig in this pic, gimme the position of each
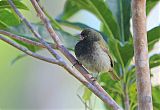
(49, 60)
(95, 88)
(36, 34)
(126, 97)
(28, 52)
(56, 39)
(108, 100)
(26, 40)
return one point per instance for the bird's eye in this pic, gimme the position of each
(82, 34)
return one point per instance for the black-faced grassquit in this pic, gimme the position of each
(92, 53)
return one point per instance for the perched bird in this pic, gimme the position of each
(92, 53)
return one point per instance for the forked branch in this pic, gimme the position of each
(86, 80)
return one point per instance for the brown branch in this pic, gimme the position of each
(28, 41)
(141, 55)
(49, 60)
(36, 34)
(108, 100)
(95, 88)
(54, 61)
(28, 52)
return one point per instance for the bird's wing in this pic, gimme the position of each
(105, 49)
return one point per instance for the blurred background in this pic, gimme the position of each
(34, 84)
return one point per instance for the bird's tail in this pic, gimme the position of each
(114, 75)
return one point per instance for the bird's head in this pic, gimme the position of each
(90, 34)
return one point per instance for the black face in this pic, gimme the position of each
(90, 34)
(85, 33)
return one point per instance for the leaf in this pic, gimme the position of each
(70, 9)
(79, 26)
(3, 25)
(114, 48)
(68, 40)
(87, 94)
(75, 25)
(8, 18)
(156, 97)
(18, 58)
(126, 52)
(154, 60)
(18, 3)
(112, 87)
(121, 9)
(150, 5)
(55, 24)
(153, 36)
(101, 10)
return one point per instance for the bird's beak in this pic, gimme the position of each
(80, 36)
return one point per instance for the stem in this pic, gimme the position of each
(141, 55)
(108, 100)
(28, 52)
(52, 51)
(94, 87)
(126, 98)
(28, 41)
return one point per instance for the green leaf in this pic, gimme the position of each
(8, 18)
(18, 58)
(3, 25)
(55, 24)
(78, 26)
(68, 40)
(111, 86)
(114, 48)
(121, 9)
(150, 5)
(101, 10)
(75, 25)
(153, 36)
(70, 9)
(87, 94)
(154, 60)
(18, 3)
(126, 52)
(156, 97)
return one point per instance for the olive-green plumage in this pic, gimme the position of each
(91, 52)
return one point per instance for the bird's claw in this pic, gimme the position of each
(76, 63)
(92, 79)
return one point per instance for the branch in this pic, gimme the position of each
(94, 87)
(53, 61)
(28, 41)
(52, 51)
(141, 55)
(56, 39)
(126, 97)
(71, 58)
(49, 60)
(28, 52)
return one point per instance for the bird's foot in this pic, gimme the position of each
(76, 63)
(93, 79)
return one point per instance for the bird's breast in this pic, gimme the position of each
(92, 57)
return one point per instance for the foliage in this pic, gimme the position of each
(115, 18)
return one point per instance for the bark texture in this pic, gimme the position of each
(141, 55)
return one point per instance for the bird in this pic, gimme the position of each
(92, 53)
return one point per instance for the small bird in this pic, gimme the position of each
(92, 53)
